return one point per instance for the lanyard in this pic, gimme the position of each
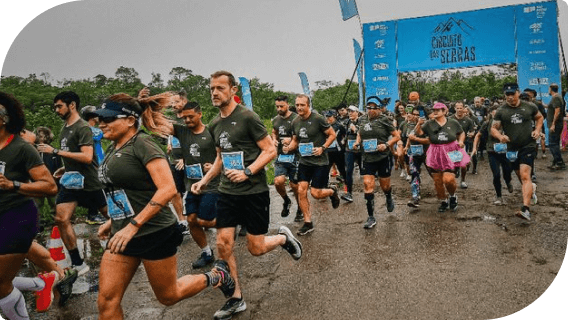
(10, 138)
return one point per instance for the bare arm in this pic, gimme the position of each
(42, 183)
(83, 156)
(213, 172)
(267, 154)
(330, 133)
(495, 127)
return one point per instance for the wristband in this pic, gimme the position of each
(135, 223)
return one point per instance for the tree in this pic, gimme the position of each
(157, 81)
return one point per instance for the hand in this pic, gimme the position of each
(285, 149)
(59, 173)
(45, 148)
(207, 166)
(461, 144)
(382, 147)
(236, 176)
(504, 139)
(118, 242)
(276, 143)
(145, 92)
(355, 146)
(104, 230)
(5, 184)
(179, 164)
(317, 151)
(473, 152)
(352, 127)
(535, 134)
(169, 148)
(197, 187)
(412, 137)
(552, 128)
(421, 121)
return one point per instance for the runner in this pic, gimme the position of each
(497, 158)
(142, 229)
(469, 128)
(312, 136)
(80, 185)
(516, 117)
(244, 148)
(415, 148)
(373, 139)
(445, 153)
(352, 155)
(336, 151)
(286, 165)
(22, 175)
(555, 122)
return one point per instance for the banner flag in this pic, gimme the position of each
(348, 9)
(359, 59)
(247, 95)
(305, 83)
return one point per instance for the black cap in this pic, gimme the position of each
(330, 113)
(510, 87)
(111, 108)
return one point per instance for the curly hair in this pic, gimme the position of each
(15, 119)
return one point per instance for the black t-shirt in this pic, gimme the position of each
(283, 128)
(351, 134)
(337, 145)
(447, 133)
(467, 125)
(375, 131)
(555, 103)
(517, 124)
(312, 131)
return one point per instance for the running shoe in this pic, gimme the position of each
(95, 219)
(292, 245)
(184, 229)
(454, 203)
(498, 201)
(334, 198)
(44, 297)
(390, 204)
(82, 269)
(408, 178)
(371, 222)
(524, 213)
(533, 178)
(232, 306)
(65, 286)
(534, 198)
(463, 185)
(403, 174)
(414, 203)
(443, 206)
(299, 216)
(474, 171)
(286, 207)
(543, 156)
(224, 280)
(305, 229)
(203, 260)
(510, 187)
(347, 197)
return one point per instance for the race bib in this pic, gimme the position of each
(370, 145)
(175, 143)
(306, 149)
(512, 155)
(118, 206)
(72, 180)
(416, 150)
(2, 168)
(194, 171)
(500, 147)
(455, 156)
(286, 158)
(333, 145)
(233, 160)
(350, 144)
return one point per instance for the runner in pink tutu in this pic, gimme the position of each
(445, 154)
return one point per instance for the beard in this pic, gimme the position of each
(65, 115)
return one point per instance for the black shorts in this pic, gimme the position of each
(524, 156)
(204, 205)
(250, 210)
(178, 178)
(18, 227)
(86, 199)
(381, 167)
(317, 175)
(158, 245)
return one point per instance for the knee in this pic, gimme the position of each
(279, 181)
(192, 220)
(224, 247)
(60, 219)
(107, 303)
(168, 299)
(254, 248)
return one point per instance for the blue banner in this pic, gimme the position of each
(537, 36)
(359, 59)
(348, 9)
(247, 94)
(305, 83)
(381, 75)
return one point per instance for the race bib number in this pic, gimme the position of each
(455, 156)
(370, 145)
(500, 147)
(286, 158)
(233, 160)
(194, 171)
(2, 168)
(512, 155)
(306, 149)
(416, 150)
(119, 207)
(350, 144)
(72, 180)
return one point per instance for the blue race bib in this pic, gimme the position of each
(285, 158)
(233, 160)
(416, 150)
(500, 147)
(194, 171)
(455, 156)
(370, 145)
(72, 180)
(512, 155)
(306, 149)
(118, 206)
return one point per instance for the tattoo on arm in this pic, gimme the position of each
(155, 204)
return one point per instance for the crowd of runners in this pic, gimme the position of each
(214, 176)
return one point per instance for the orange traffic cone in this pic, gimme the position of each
(57, 250)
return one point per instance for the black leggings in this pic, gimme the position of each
(497, 160)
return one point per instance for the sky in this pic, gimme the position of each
(272, 40)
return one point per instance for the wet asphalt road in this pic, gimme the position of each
(479, 263)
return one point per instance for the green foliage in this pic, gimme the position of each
(44, 117)
(330, 96)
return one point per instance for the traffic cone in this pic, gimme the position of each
(57, 250)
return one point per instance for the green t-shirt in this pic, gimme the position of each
(312, 131)
(283, 128)
(17, 158)
(486, 132)
(71, 139)
(517, 124)
(239, 132)
(378, 129)
(125, 169)
(466, 123)
(447, 133)
(555, 103)
(197, 149)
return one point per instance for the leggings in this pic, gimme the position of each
(350, 158)
(496, 161)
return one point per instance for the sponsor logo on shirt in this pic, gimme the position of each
(224, 140)
(367, 127)
(194, 150)
(64, 144)
(516, 118)
(303, 133)
(443, 136)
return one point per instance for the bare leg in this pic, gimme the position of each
(225, 244)
(115, 275)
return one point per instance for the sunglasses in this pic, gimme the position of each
(510, 93)
(112, 118)
(373, 108)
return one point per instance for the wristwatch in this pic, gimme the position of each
(248, 173)
(55, 151)
(135, 223)
(323, 147)
(17, 185)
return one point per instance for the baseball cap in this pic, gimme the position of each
(510, 87)
(413, 96)
(111, 108)
(330, 113)
(374, 100)
(352, 108)
(439, 105)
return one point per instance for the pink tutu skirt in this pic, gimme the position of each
(437, 157)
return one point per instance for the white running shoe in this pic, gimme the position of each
(534, 198)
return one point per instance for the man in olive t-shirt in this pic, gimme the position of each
(79, 184)
(555, 123)
(469, 128)
(516, 117)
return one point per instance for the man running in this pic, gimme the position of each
(555, 123)
(469, 128)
